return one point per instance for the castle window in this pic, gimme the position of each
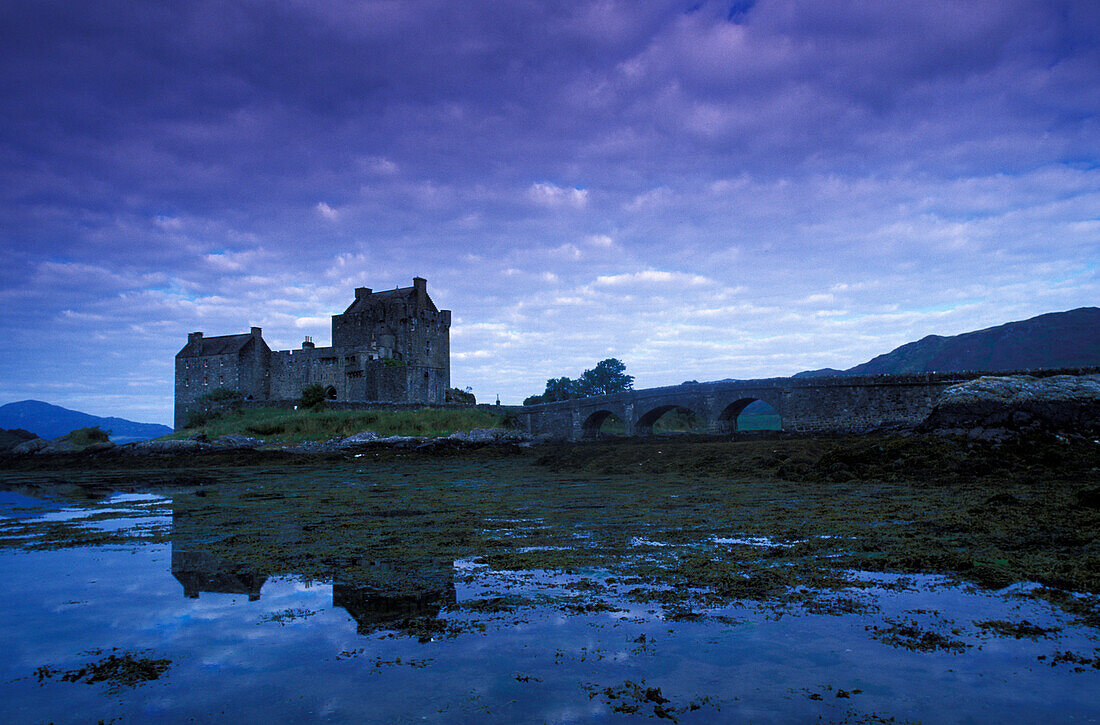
(428, 347)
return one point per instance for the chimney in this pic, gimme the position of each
(420, 286)
(361, 292)
(307, 344)
(194, 337)
(257, 332)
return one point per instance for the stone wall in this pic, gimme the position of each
(197, 376)
(842, 404)
(384, 405)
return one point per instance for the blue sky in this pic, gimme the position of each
(702, 190)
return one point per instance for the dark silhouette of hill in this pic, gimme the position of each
(50, 421)
(1055, 340)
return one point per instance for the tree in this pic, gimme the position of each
(313, 396)
(560, 389)
(454, 395)
(609, 376)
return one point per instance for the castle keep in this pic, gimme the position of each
(390, 346)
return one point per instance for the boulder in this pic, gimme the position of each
(9, 439)
(34, 445)
(990, 407)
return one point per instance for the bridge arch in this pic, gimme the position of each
(727, 419)
(590, 428)
(330, 392)
(645, 423)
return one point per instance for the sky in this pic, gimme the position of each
(703, 190)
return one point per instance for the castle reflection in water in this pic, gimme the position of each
(401, 595)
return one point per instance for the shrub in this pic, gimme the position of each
(454, 395)
(313, 397)
(88, 436)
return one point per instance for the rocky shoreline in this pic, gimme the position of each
(236, 444)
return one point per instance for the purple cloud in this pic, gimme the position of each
(703, 190)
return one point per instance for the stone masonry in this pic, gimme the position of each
(389, 346)
(845, 404)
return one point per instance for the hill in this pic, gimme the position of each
(1055, 340)
(51, 421)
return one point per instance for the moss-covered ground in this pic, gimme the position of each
(677, 522)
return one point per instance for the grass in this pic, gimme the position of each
(83, 437)
(293, 426)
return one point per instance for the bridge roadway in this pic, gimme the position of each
(834, 404)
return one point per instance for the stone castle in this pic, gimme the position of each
(391, 346)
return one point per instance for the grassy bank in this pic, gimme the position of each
(293, 426)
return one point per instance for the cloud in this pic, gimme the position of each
(378, 165)
(326, 211)
(654, 198)
(771, 186)
(551, 195)
(651, 276)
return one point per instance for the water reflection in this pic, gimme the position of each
(405, 594)
(561, 644)
(199, 571)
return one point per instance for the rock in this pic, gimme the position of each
(9, 439)
(165, 448)
(34, 445)
(994, 408)
(476, 436)
(365, 439)
(488, 436)
(401, 441)
(235, 440)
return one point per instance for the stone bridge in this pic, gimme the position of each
(841, 404)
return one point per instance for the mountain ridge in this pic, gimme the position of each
(47, 420)
(1069, 339)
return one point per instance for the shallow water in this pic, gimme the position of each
(397, 631)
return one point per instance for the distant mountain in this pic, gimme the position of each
(51, 421)
(1056, 340)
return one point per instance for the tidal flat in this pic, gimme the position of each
(874, 579)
